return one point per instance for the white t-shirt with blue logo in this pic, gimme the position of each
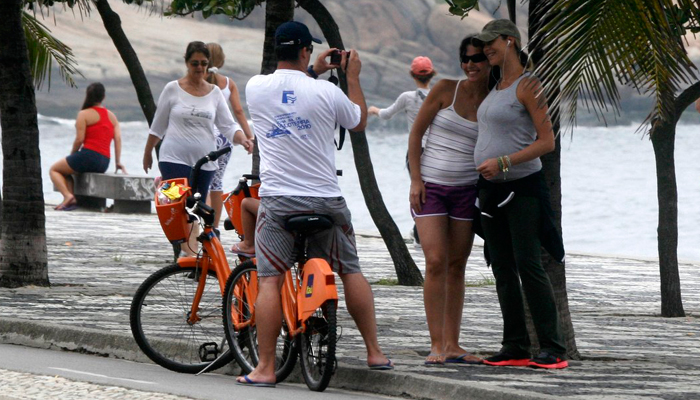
(294, 118)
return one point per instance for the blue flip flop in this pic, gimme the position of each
(382, 367)
(462, 360)
(68, 208)
(250, 382)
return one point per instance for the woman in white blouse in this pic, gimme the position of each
(188, 110)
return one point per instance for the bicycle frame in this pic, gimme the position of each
(213, 256)
(300, 295)
(303, 295)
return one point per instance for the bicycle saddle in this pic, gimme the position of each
(307, 223)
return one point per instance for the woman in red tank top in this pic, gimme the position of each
(95, 127)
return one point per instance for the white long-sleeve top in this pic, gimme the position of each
(408, 102)
(186, 124)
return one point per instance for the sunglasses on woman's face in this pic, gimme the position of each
(198, 63)
(476, 58)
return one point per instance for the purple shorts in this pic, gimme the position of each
(457, 202)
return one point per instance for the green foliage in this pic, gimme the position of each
(387, 282)
(237, 9)
(45, 5)
(43, 50)
(462, 7)
(590, 45)
(484, 281)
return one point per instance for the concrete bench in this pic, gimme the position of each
(131, 193)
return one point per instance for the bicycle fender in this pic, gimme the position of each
(317, 287)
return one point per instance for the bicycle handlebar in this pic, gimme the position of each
(213, 156)
(243, 184)
(194, 204)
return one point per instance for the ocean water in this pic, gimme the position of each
(608, 183)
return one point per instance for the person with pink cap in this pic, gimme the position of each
(409, 102)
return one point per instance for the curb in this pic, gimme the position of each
(47, 335)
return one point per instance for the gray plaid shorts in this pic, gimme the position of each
(274, 245)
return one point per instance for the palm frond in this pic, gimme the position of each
(592, 45)
(42, 6)
(235, 9)
(44, 50)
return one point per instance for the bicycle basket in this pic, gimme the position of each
(170, 206)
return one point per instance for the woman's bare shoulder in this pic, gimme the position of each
(112, 117)
(445, 85)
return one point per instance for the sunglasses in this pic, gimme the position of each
(476, 58)
(311, 48)
(198, 63)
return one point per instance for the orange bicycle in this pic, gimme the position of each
(309, 302)
(175, 315)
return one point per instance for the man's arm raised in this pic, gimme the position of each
(353, 65)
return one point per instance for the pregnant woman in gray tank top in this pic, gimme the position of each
(514, 131)
(443, 195)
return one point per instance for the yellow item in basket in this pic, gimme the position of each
(175, 191)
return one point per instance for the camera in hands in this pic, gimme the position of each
(336, 57)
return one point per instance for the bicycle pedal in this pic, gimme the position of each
(208, 351)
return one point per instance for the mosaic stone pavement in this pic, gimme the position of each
(97, 260)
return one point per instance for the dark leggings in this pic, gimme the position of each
(513, 241)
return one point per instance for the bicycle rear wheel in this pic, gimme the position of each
(159, 320)
(317, 347)
(239, 324)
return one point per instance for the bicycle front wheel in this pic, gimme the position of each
(317, 347)
(239, 324)
(160, 321)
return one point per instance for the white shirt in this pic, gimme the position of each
(187, 122)
(294, 118)
(408, 102)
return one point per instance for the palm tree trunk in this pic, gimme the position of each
(663, 137)
(113, 26)
(277, 12)
(23, 258)
(407, 272)
(551, 167)
(511, 10)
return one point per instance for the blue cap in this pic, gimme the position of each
(294, 33)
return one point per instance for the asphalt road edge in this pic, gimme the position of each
(122, 346)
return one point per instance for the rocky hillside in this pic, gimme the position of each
(388, 34)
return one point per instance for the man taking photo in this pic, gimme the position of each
(295, 117)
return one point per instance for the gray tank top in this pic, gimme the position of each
(448, 156)
(505, 127)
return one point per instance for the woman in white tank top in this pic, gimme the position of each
(230, 91)
(442, 197)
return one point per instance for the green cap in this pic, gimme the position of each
(498, 27)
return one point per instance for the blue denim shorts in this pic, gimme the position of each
(87, 160)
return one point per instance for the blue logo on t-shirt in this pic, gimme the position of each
(288, 97)
(277, 131)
